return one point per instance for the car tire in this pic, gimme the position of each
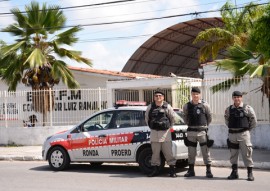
(58, 158)
(181, 163)
(144, 161)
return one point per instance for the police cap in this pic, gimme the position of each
(196, 90)
(159, 92)
(237, 93)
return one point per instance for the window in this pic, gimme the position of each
(98, 122)
(178, 118)
(126, 119)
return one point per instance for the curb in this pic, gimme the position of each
(223, 163)
(20, 158)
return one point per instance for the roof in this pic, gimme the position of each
(172, 51)
(114, 73)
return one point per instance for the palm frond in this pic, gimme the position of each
(225, 85)
(12, 74)
(68, 36)
(10, 49)
(213, 34)
(256, 70)
(235, 67)
(60, 71)
(14, 30)
(240, 54)
(74, 55)
(35, 59)
(215, 39)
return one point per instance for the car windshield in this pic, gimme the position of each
(179, 118)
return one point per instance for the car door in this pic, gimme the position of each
(178, 135)
(91, 143)
(129, 132)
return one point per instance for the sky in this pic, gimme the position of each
(109, 46)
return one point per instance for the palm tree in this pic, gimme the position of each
(242, 54)
(242, 62)
(237, 25)
(33, 59)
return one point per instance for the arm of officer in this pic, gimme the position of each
(147, 114)
(252, 117)
(208, 113)
(171, 114)
(226, 116)
(185, 111)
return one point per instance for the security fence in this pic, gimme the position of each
(179, 94)
(69, 107)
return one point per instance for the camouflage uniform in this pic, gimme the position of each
(161, 140)
(198, 134)
(239, 139)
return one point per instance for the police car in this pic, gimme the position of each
(119, 134)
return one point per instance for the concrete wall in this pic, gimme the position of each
(36, 136)
(259, 136)
(27, 136)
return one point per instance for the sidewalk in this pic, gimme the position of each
(220, 156)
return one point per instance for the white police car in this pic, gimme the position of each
(118, 134)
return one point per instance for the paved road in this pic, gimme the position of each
(37, 176)
(220, 156)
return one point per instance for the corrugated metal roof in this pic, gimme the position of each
(172, 50)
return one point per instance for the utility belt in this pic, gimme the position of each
(237, 131)
(159, 126)
(197, 129)
(209, 142)
(232, 145)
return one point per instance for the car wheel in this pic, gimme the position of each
(181, 163)
(58, 158)
(96, 164)
(144, 161)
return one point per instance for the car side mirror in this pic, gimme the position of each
(78, 129)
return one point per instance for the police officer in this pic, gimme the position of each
(197, 116)
(240, 119)
(160, 118)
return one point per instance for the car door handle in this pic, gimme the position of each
(102, 135)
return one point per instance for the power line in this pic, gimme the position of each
(141, 13)
(114, 38)
(149, 19)
(136, 13)
(158, 18)
(79, 6)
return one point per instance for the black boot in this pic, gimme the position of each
(208, 171)
(172, 172)
(190, 171)
(234, 173)
(154, 172)
(250, 174)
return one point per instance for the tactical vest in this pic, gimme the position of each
(196, 115)
(158, 118)
(238, 118)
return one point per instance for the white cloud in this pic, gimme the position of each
(104, 58)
